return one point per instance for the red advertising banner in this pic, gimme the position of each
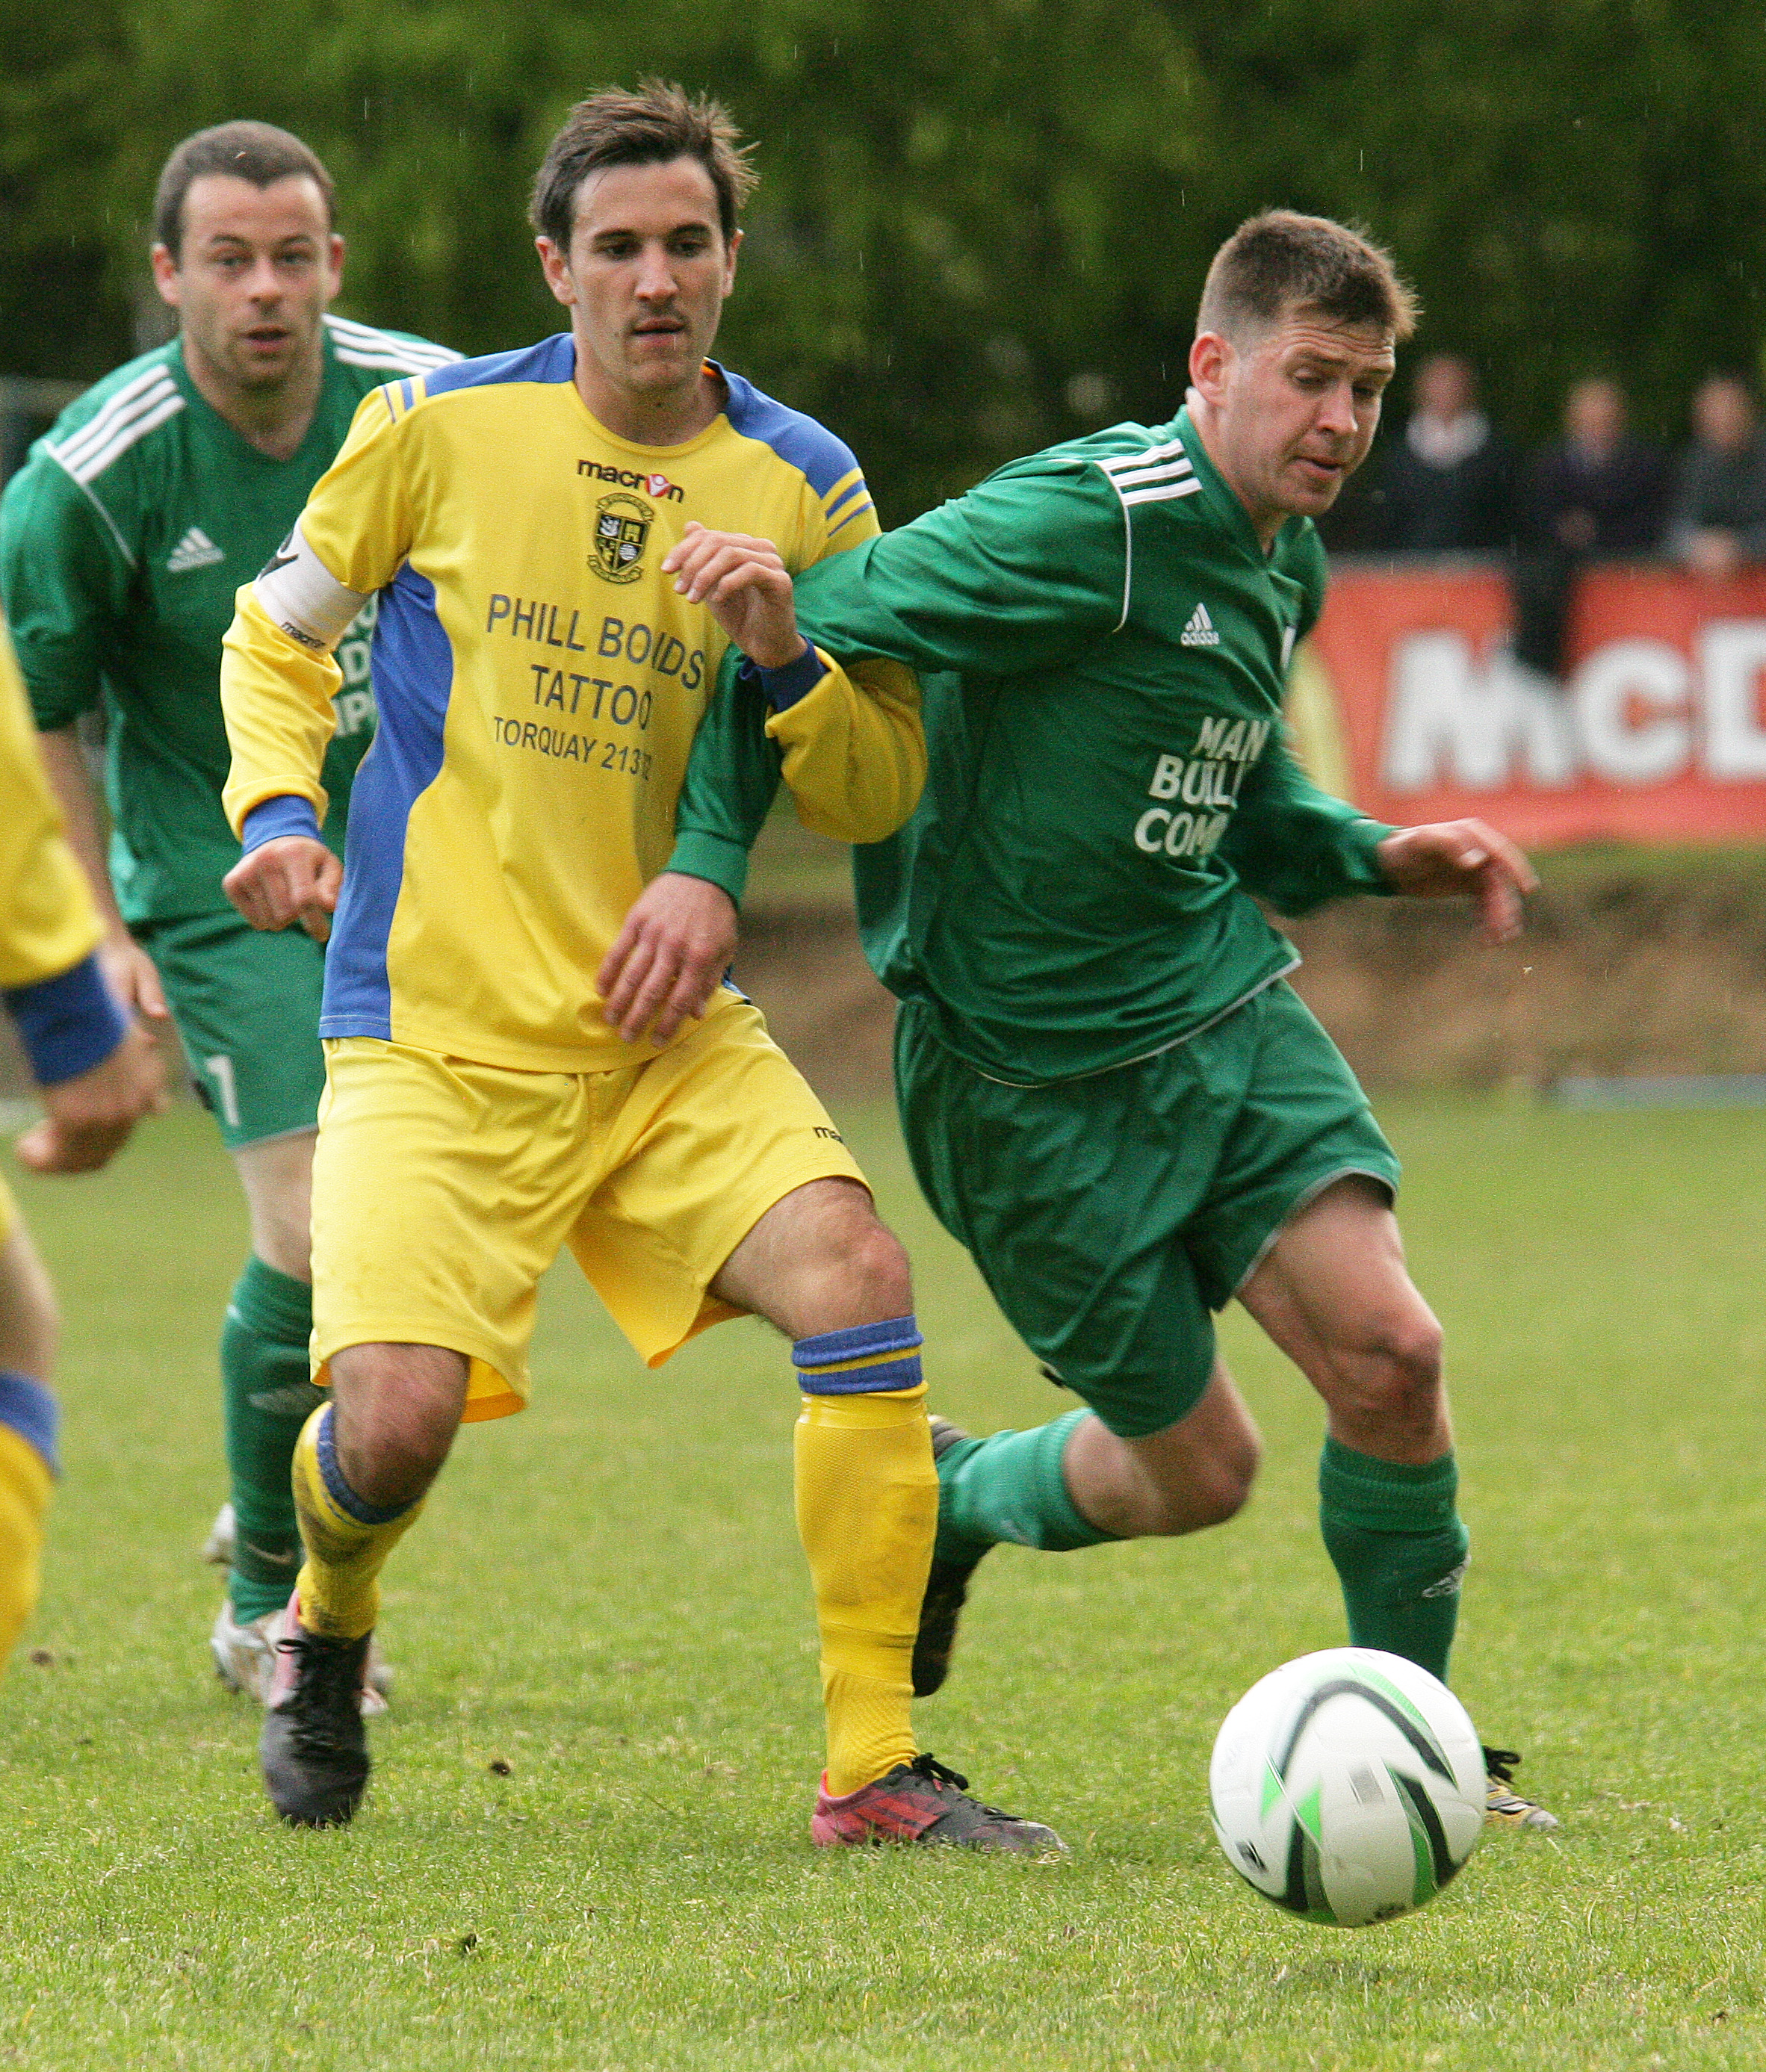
(1406, 701)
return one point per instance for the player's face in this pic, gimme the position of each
(1294, 412)
(645, 277)
(255, 271)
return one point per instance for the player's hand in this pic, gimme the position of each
(90, 1115)
(745, 585)
(293, 878)
(1455, 859)
(129, 971)
(675, 946)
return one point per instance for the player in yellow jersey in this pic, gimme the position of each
(99, 1074)
(550, 624)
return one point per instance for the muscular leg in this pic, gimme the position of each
(1334, 1294)
(276, 1178)
(822, 1268)
(362, 1467)
(265, 1389)
(818, 1260)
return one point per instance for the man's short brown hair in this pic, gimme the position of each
(657, 123)
(255, 151)
(1280, 260)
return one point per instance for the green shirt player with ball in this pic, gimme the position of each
(1110, 1094)
(122, 541)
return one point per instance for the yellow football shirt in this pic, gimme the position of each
(539, 683)
(48, 921)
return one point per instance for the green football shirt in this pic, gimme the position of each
(122, 541)
(1103, 646)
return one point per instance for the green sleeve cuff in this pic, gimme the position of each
(1363, 838)
(715, 858)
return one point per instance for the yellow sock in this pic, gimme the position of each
(347, 1540)
(25, 1484)
(868, 1511)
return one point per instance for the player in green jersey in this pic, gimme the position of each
(1109, 1093)
(122, 541)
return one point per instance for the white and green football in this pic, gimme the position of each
(1348, 1787)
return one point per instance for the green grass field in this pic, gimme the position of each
(606, 1597)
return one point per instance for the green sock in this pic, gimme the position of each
(1010, 1485)
(1399, 1547)
(267, 1397)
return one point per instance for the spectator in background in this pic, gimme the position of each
(1598, 494)
(1719, 516)
(1447, 485)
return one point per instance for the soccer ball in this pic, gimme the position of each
(1348, 1787)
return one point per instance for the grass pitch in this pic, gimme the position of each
(585, 1845)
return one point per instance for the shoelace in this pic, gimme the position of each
(1501, 1764)
(327, 1673)
(938, 1775)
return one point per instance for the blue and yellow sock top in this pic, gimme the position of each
(866, 1359)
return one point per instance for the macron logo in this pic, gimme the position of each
(1200, 631)
(195, 550)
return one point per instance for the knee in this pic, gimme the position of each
(877, 1264)
(1394, 1374)
(858, 1274)
(392, 1460)
(1223, 1488)
(1212, 1489)
(394, 1421)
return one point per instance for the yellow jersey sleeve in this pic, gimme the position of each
(47, 920)
(853, 746)
(277, 675)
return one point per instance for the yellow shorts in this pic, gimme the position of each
(442, 1191)
(8, 1212)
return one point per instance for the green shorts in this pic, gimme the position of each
(246, 1005)
(1110, 1215)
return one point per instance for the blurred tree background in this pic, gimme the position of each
(982, 223)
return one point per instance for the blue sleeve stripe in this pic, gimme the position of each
(857, 511)
(855, 487)
(32, 1412)
(271, 818)
(67, 1024)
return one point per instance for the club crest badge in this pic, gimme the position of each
(622, 527)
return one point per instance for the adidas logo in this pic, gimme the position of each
(1200, 631)
(195, 550)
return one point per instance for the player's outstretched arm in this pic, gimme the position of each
(288, 878)
(853, 747)
(1459, 859)
(669, 958)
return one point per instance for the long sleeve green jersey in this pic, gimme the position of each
(122, 541)
(1103, 645)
